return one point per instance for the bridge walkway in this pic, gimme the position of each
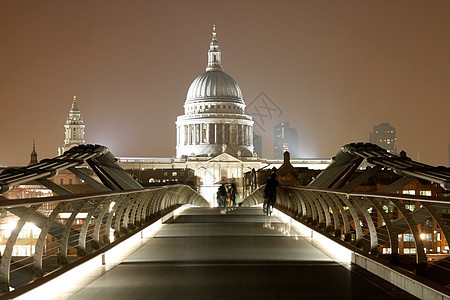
(208, 253)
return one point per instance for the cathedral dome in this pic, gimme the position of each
(214, 85)
(214, 119)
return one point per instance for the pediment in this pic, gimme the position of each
(224, 157)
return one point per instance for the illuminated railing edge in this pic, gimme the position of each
(72, 280)
(341, 254)
(305, 204)
(177, 195)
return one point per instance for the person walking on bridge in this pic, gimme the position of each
(270, 191)
(222, 196)
(233, 193)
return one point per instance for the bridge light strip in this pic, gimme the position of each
(80, 276)
(334, 250)
(345, 257)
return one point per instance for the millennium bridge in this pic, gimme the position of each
(325, 240)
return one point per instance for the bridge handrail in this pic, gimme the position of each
(363, 220)
(381, 195)
(67, 228)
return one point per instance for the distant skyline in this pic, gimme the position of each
(333, 70)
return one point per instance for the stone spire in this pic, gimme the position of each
(73, 129)
(33, 155)
(214, 54)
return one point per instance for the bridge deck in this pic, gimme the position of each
(241, 254)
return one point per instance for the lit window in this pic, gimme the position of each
(174, 174)
(410, 207)
(425, 193)
(409, 250)
(408, 237)
(386, 250)
(409, 192)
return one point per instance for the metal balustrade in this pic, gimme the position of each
(355, 219)
(48, 234)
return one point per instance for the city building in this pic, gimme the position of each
(28, 190)
(73, 129)
(161, 177)
(285, 138)
(257, 145)
(214, 136)
(384, 135)
(33, 155)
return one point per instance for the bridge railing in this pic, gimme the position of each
(392, 226)
(41, 235)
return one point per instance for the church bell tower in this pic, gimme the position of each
(73, 129)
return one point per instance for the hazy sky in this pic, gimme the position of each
(333, 68)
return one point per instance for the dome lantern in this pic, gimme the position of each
(214, 54)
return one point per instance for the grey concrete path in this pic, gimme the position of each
(242, 254)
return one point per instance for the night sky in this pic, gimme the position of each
(334, 69)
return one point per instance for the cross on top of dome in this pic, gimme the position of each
(214, 33)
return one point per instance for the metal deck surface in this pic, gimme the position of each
(207, 253)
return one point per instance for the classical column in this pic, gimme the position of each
(197, 134)
(246, 135)
(215, 133)
(232, 134)
(207, 133)
(186, 127)
(223, 134)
